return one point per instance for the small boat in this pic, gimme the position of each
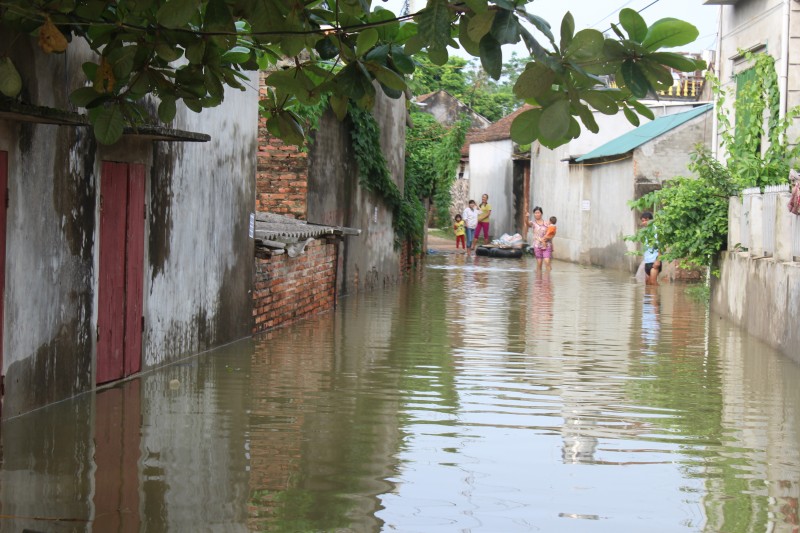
(496, 251)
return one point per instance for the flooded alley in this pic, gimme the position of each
(480, 396)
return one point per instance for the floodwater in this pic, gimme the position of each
(479, 397)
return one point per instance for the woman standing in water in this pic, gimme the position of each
(542, 249)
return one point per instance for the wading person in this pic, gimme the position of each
(652, 261)
(460, 231)
(542, 248)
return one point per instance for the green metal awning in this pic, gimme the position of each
(644, 134)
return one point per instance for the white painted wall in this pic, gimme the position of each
(491, 172)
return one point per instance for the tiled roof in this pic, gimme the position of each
(498, 131)
(271, 230)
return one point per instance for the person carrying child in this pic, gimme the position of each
(459, 228)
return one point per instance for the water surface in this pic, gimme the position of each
(481, 396)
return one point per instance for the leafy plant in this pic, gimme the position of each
(190, 50)
(690, 220)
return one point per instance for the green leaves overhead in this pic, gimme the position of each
(190, 52)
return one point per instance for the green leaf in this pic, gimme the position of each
(536, 49)
(167, 110)
(195, 51)
(292, 45)
(567, 30)
(108, 123)
(631, 116)
(668, 33)
(121, 60)
(555, 121)
(505, 27)
(167, 52)
(642, 109)
(82, 97)
(434, 24)
(218, 19)
(525, 127)
(338, 104)
(634, 78)
(177, 13)
(438, 56)
(633, 23)
(237, 54)
(477, 6)
(480, 25)
(677, 61)
(387, 31)
(534, 81)
(413, 45)
(491, 56)
(539, 23)
(389, 78)
(600, 101)
(587, 45)
(658, 76)
(587, 117)
(467, 43)
(365, 41)
(89, 70)
(402, 63)
(10, 80)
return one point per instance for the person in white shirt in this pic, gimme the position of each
(470, 216)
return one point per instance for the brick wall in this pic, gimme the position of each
(282, 174)
(289, 289)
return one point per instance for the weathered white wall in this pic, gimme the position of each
(491, 172)
(200, 254)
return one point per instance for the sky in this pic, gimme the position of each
(599, 14)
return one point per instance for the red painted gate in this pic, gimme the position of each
(119, 308)
(3, 209)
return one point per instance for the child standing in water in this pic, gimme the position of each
(460, 230)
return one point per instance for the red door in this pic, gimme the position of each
(3, 209)
(119, 310)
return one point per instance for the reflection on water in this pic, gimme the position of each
(482, 397)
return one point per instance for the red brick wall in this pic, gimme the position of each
(282, 174)
(289, 289)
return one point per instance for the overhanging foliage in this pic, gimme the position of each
(189, 51)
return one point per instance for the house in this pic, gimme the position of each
(589, 193)
(119, 258)
(760, 26)
(499, 168)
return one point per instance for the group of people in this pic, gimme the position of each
(471, 222)
(475, 218)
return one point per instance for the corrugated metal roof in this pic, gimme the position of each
(271, 227)
(644, 134)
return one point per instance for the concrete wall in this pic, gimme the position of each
(557, 187)
(335, 197)
(761, 296)
(448, 109)
(491, 172)
(197, 257)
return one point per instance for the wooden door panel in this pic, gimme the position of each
(111, 292)
(3, 209)
(134, 259)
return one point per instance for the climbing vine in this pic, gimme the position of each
(691, 213)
